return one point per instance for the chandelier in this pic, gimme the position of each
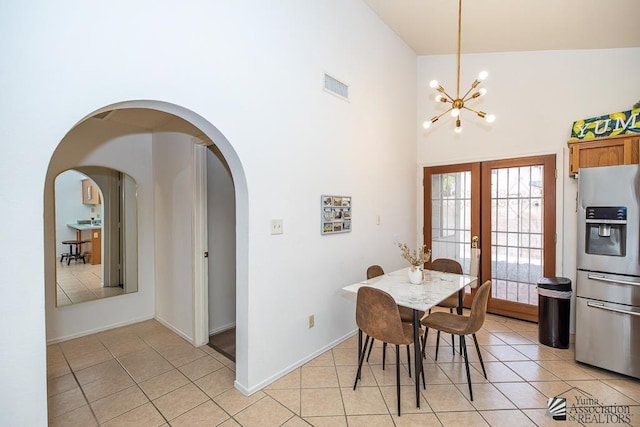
(459, 102)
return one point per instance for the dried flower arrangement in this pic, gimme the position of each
(416, 258)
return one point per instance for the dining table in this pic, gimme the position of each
(436, 286)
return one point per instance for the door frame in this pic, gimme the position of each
(506, 308)
(428, 171)
(200, 239)
(482, 170)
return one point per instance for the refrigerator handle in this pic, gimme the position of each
(616, 310)
(603, 278)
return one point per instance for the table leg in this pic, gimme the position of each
(460, 298)
(417, 355)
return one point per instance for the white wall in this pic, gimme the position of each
(536, 97)
(121, 147)
(221, 227)
(253, 70)
(173, 243)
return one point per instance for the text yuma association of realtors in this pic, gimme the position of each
(587, 410)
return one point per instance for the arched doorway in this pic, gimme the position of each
(195, 328)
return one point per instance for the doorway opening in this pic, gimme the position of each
(225, 343)
(181, 301)
(221, 259)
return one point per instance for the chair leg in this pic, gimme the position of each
(384, 354)
(364, 350)
(424, 343)
(466, 365)
(408, 360)
(359, 343)
(453, 339)
(398, 376)
(369, 354)
(424, 383)
(475, 340)
(437, 344)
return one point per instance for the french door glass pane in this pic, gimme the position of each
(516, 233)
(451, 217)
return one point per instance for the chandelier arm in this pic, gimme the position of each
(446, 94)
(438, 117)
(479, 113)
(464, 98)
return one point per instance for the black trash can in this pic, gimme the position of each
(554, 309)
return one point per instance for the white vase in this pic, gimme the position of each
(415, 275)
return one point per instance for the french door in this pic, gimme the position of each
(510, 206)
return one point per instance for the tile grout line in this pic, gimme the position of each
(75, 378)
(134, 381)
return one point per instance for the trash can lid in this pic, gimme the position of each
(555, 283)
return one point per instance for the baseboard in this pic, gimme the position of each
(97, 330)
(174, 329)
(249, 391)
(222, 328)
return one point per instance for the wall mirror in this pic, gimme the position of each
(96, 234)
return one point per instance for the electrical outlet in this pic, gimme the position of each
(276, 226)
(312, 320)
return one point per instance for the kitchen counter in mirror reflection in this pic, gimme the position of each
(92, 234)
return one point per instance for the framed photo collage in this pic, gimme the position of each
(335, 214)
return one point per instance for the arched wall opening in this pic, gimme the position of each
(152, 300)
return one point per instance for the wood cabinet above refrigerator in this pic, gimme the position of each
(620, 150)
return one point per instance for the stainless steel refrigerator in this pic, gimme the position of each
(608, 262)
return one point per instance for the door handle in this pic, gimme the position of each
(615, 310)
(606, 279)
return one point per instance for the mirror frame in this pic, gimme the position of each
(119, 252)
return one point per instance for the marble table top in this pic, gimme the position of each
(435, 288)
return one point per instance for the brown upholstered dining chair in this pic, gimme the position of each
(374, 271)
(448, 266)
(457, 324)
(378, 317)
(406, 314)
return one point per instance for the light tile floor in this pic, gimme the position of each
(145, 375)
(79, 282)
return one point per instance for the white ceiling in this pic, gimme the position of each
(430, 27)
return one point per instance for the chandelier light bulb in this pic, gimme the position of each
(490, 118)
(438, 98)
(483, 75)
(426, 124)
(455, 112)
(433, 84)
(458, 128)
(482, 91)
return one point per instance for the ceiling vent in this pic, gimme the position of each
(336, 87)
(103, 115)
